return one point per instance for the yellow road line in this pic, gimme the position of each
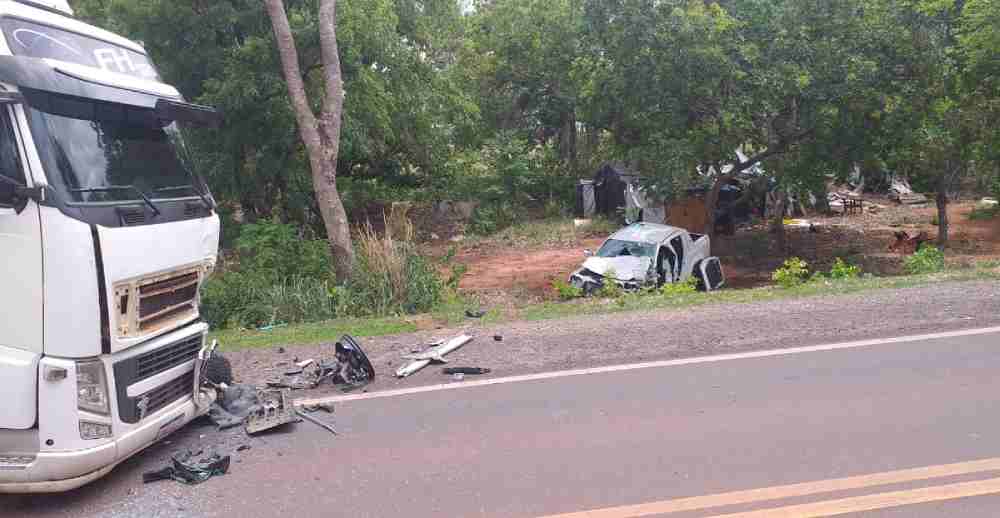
(789, 491)
(878, 501)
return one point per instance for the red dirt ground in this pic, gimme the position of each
(533, 271)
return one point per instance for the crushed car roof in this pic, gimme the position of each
(646, 233)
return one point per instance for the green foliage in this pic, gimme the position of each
(792, 273)
(492, 217)
(610, 289)
(674, 289)
(281, 277)
(391, 277)
(844, 270)
(566, 291)
(270, 249)
(981, 212)
(929, 259)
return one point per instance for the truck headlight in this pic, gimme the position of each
(92, 387)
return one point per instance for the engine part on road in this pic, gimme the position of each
(275, 410)
(435, 355)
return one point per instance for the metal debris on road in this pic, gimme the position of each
(326, 426)
(185, 471)
(473, 371)
(275, 410)
(433, 355)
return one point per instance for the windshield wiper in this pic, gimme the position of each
(110, 188)
(204, 197)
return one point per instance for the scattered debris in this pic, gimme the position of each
(497, 338)
(435, 354)
(233, 405)
(907, 245)
(478, 313)
(185, 471)
(317, 422)
(901, 192)
(243, 447)
(474, 371)
(281, 350)
(326, 407)
(271, 327)
(275, 409)
(350, 367)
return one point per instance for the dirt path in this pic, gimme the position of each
(532, 270)
(529, 347)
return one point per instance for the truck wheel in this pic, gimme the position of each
(219, 370)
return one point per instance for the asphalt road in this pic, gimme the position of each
(857, 431)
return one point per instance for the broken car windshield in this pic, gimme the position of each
(616, 248)
(87, 159)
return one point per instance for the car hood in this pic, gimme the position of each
(625, 268)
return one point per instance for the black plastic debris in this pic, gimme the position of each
(477, 313)
(190, 472)
(497, 338)
(465, 370)
(349, 366)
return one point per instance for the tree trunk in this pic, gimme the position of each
(778, 224)
(942, 207)
(712, 200)
(321, 136)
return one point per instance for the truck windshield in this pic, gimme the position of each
(99, 161)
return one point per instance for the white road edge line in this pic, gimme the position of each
(646, 365)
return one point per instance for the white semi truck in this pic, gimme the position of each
(106, 235)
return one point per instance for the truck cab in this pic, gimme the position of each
(107, 234)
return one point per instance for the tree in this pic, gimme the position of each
(320, 135)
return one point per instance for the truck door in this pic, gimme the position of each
(20, 251)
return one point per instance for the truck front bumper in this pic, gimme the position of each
(52, 472)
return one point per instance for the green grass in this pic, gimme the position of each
(452, 312)
(984, 212)
(312, 333)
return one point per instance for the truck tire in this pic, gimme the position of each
(218, 370)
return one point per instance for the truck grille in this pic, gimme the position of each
(133, 370)
(148, 305)
(166, 358)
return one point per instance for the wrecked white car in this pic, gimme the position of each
(646, 254)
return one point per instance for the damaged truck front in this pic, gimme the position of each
(107, 235)
(647, 254)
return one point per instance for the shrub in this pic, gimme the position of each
(566, 291)
(491, 218)
(277, 250)
(792, 273)
(390, 276)
(843, 270)
(675, 289)
(610, 289)
(282, 278)
(929, 259)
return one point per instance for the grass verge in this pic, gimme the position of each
(452, 312)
